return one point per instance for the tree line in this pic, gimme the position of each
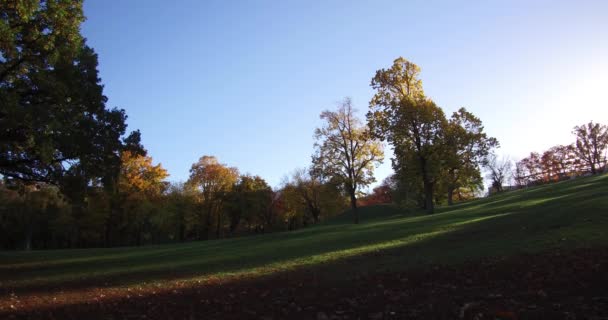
(73, 176)
(586, 155)
(215, 202)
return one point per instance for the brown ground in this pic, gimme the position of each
(557, 285)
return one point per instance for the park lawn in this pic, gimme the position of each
(566, 215)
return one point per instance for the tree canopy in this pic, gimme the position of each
(345, 150)
(429, 149)
(591, 144)
(55, 124)
(73, 176)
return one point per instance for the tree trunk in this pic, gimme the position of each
(28, 238)
(106, 238)
(182, 227)
(316, 214)
(204, 232)
(235, 220)
(450, 196)
(428, 187)
(207, 225)
(219, 224)
(428, 197)
(353, 204)
(138, 241)
(314, 211)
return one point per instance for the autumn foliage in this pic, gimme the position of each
(73, 175)
(587, 155)
(380, 195)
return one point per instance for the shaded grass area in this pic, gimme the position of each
(568, 214)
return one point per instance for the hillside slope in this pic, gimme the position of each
(565, 215)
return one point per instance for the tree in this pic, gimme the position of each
(25, 213)
(250, 200)
(520, 175)
(558, 162)
(467, 148)
(415, 126)
(35, 35)
(346, 151)
(140, 187)
(292, 209)
(139, 176)
(500, 171)
(309, 187)
(312, 196)
(55, 126)
(555, 163)
(381, 194)
(533, 166)
(179, 205)
(591, 144)
(212, 180)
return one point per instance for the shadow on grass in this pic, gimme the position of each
(560, 215)
(252, 260)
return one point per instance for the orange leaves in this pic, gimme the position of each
(138, 174)
(210, 176)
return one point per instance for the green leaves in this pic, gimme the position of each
(426, 145)
(53, 111)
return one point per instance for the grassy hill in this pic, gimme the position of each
(568, 214)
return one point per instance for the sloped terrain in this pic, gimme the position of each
(527, 253)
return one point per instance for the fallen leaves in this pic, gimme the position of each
(557, 286)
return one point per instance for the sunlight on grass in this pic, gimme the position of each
(539, 218)
(263, 269)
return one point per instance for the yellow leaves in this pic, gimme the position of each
(210, 176)
(345, 149)
(138, 174)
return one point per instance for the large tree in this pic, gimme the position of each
(213, 181)
(55, 127)
(346, 151)
(533, 166)
(591, 144)
(140, 187)
(138, 175)
(557, 162)
(467, 149)
(411, 122)
(318, 197)
(309, 186)
(500, 171)
(180, 207)
(35, 35)
(249, 200)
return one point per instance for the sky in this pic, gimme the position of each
(245, 81)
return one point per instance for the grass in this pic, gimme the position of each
(568, 214)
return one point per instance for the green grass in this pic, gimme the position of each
(565, 215)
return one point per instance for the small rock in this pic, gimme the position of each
(466, 307)
(541, 293)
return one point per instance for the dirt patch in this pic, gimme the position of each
(556, 285)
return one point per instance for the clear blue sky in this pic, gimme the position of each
(246, 80)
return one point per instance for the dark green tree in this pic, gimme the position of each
(415, 126)
(55, 125)
(467, 149)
